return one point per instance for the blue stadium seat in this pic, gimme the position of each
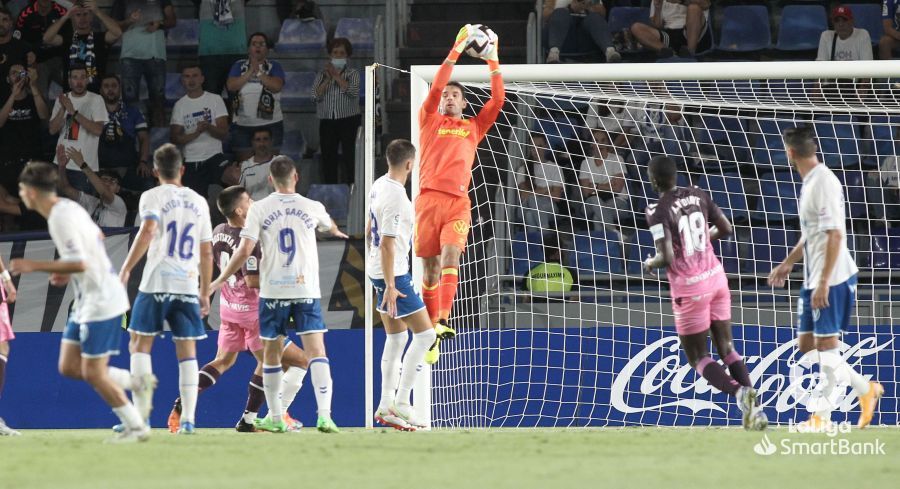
(854, 192)
(768, 248)
(297, 91)
(597, 252)
(622, 17)
(158, 137)
(801, 26)
(184, 37)
(727, 191)
(639, 250)
(768, 150)
(335, 197)
(727, 138)
(868, 16)
(298, 36)
(886, 143)
(885, 249)
(559, 131)
(745, 28)
(359, 31)
(174, 88)
(778, 201)
(294, 145)
(838, 138)
(527, 252)
(727, 251)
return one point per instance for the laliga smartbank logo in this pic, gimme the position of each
(799, 442)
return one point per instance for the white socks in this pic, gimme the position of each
(391, 359)
(142, 366)
(835, 370)
(129, 416)
(320, 370)
(412, 362)
(120, 377)
(291, 382)
(272, 387)
(188, 370)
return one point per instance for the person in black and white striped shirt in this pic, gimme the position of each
(336, 91)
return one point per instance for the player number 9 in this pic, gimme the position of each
(287, 244)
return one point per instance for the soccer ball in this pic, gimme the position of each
(483, 41)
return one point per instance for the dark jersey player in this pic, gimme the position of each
(701, 300)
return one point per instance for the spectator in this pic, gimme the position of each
(258, 82)
(199, 125)
(677, 26)
(845, 42)
(143, 53)
(336, 91)
(83, 45)
(603, 187)
(125, 141)
(576, 25)
(253, 174)
(890, 19)
(12, 50)
(108, 209)
(20, 125)
(31, 24)
(612, 119)
(14, 216)
(886, 181)
(223, 40)
(541, 185)
(551, 275)
(78, 117)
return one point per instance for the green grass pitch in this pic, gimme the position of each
(496, 458)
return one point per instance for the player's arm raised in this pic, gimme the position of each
(488, 114)
(443, 74)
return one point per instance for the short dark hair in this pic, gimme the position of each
(663, 170)
(801, 139)
(257, 130)
(109, 174)
(341, 41)
(458, 85)
(227, 201)
(399, 152)
(190, 65)
(111, 76)
(77, 65)
(262, 35)
(167, 161)
(39, 175)
(281, 168)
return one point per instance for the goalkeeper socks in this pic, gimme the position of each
(255, 398)
(129, 416)
(187, 387)
(320, 369)
(391, 358)
(737, 368)
(208, 377)
(431, 298)
(449, 281)
(119, 376)
(3, 361)
(716, 375)
(412, 363)
(142, 366)
(291, 382)
(272, 386)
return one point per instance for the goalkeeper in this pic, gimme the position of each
(448, 142)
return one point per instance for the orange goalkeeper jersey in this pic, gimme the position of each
(448, 144)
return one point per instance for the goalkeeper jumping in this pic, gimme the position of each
(443, 212)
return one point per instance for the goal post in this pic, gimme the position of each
(602, 351)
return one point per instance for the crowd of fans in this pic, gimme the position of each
(229, 124)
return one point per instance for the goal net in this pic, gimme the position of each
(557, 324)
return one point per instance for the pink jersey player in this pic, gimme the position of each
(239, 302)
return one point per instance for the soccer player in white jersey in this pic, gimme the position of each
(829, 279)
(390, 232)
(176, 236)
(285, 223)
(94, 331)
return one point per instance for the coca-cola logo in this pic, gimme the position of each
(783, 382)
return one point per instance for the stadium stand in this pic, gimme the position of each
(800, 27)
(745, 28)
(298, 36)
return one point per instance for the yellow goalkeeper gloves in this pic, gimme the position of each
(462, 40)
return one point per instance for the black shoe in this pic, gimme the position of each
(244, 427)
(665, 52)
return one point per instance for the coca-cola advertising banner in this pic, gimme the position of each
(624, 375)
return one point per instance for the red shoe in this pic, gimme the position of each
(175, 417)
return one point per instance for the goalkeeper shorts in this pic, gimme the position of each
(441, 219)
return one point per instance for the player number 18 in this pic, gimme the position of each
(693, 232)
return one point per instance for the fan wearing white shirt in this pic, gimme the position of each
(676, 26)
(541, 187)
(94, 331)
(603, 186)
(255, 170)
(829, 280)
(285, 224)
(176, 236)
(389, 232)
(107, 209)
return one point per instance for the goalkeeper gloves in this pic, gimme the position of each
(462, 40)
